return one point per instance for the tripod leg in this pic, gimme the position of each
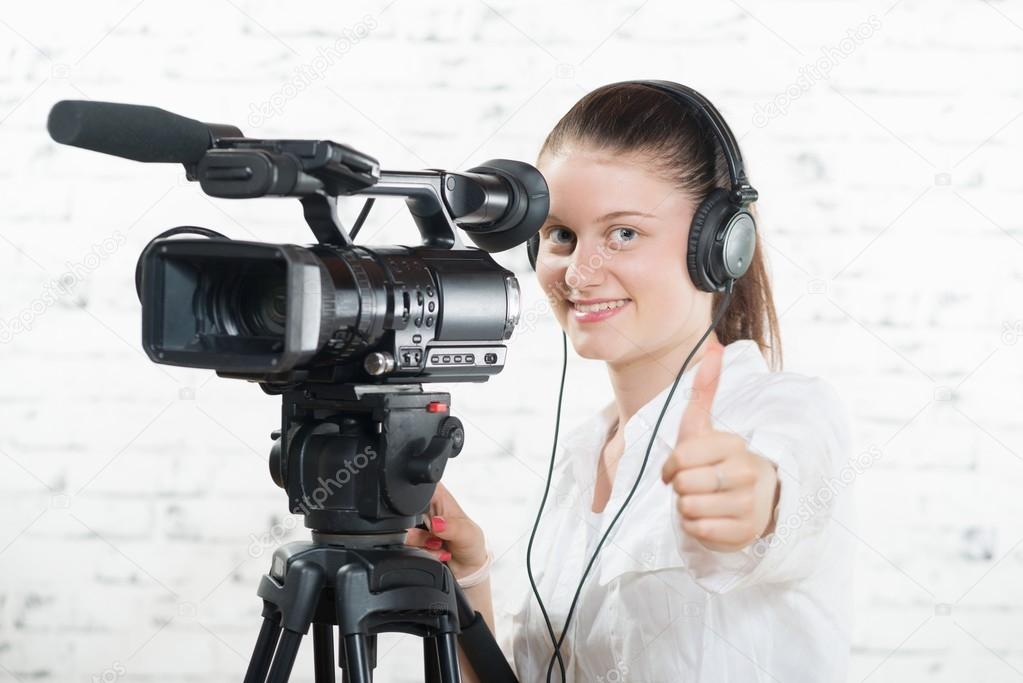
(284, 659)
(262, 654)
(447, 656)
(323, 652)
(431, 665)
(356, 659)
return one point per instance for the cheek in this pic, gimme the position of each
(659, 288)
(551, 283)
(550, 290)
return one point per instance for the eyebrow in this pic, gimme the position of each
(608, 216)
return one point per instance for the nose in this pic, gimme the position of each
(586, 266)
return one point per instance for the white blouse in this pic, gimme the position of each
(659, 606)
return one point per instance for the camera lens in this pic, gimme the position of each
(262, 302)
(260, 296)
(251, 301)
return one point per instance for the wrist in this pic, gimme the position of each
(475, 576)
(463, 567)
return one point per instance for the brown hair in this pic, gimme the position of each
(636, 119)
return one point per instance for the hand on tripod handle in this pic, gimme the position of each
(450, 535)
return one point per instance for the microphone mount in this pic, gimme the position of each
(499, 204)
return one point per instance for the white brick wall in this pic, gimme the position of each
(138, 514)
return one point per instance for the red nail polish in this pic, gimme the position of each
(445, 556)
(434, 543)
(438, 523)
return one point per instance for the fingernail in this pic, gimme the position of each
(445, 556)
(438, 523)
(434, 543)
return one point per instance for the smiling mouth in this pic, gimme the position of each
(599, 307)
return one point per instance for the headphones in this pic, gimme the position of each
(722, 235)
(722, 239)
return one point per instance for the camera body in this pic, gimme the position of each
(281, 313)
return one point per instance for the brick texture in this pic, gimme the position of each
(138, 514)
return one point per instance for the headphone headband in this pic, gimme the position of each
(742, 193)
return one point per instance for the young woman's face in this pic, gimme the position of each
(617, 233)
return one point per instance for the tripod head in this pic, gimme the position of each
(363, 459)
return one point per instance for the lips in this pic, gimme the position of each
(591, 313)
(597, 305)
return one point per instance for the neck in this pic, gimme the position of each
(639, 380)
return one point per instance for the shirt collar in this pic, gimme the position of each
(741, 359)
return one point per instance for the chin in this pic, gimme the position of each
(591, 350)
(589, 355)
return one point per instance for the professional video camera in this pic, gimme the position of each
(346, 335)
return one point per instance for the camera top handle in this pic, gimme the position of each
(499, 204)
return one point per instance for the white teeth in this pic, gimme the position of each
(603, 306)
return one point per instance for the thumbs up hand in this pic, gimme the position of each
(725, 494)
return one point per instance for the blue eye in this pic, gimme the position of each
(553, 231)
(627, 230)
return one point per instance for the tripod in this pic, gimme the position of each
(361, 462)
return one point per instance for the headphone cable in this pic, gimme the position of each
(557, 644)
(543, 501)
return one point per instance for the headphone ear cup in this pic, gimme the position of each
(699, 252)
(532, 247)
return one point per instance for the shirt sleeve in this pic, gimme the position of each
(802, 426)
(507, 628)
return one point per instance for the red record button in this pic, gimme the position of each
(436, 407)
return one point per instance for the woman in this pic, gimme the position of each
(721, 567)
